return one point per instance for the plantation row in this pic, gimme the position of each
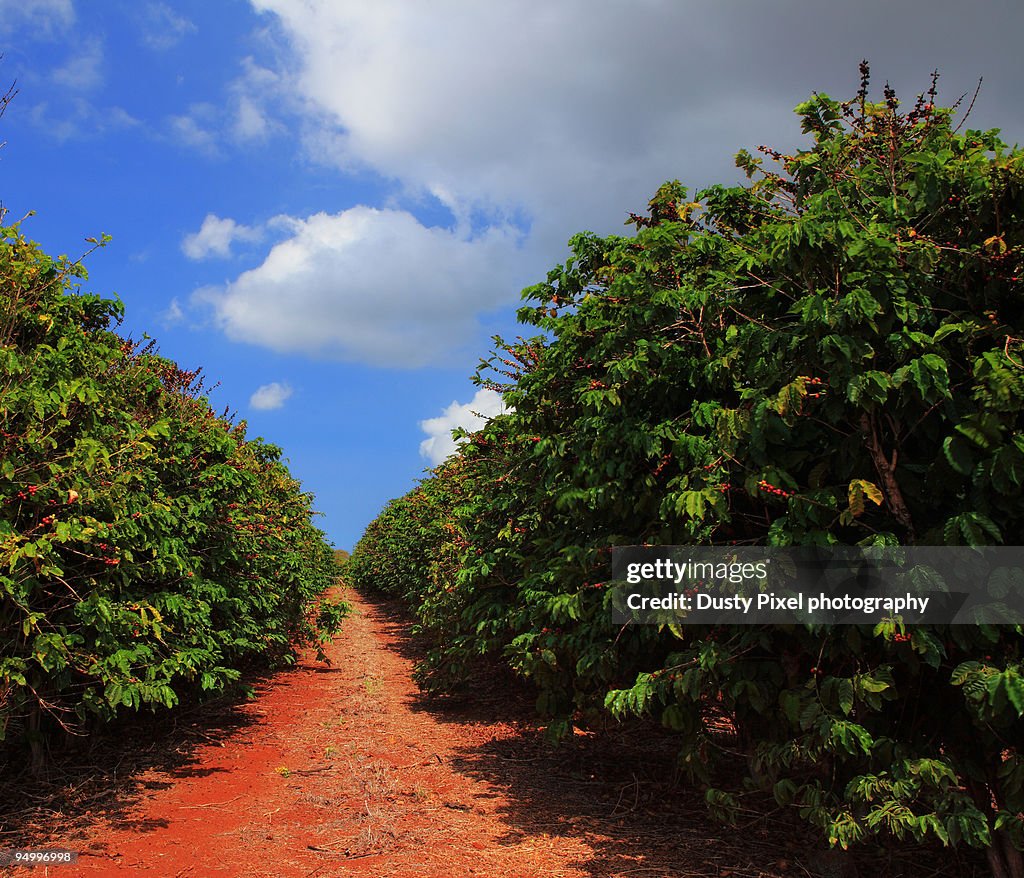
(147, 548)
(828, 354)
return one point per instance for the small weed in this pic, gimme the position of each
(378, 830)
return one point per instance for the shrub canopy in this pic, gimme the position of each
(830, 353)
(147, 547)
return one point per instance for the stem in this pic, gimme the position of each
(886, 467)
(1004, 859)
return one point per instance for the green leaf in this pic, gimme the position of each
(845, 689)
(958, 455)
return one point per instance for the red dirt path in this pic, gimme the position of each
(347, 770)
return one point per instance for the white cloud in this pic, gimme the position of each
(569, 117)
(471, 416)
(550, 118)
(215, 237)
(369, 285)
(253, 91)
(243, 116)
(250, 121)
(574, 113)
(162, 27)
(270, 396)
(196, 128)
(511, 118)
(118, 118)
(83, 70)
(46, 17)
(173, 315)
(79, 118)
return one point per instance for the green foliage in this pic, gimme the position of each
(828, 354)
(147, 548)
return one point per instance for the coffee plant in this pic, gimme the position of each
(148, 549)
(831, 353)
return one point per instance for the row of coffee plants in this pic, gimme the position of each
(148, 549)
(831, 353)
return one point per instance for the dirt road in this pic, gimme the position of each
(348, 770)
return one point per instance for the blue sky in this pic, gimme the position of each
(332, 205)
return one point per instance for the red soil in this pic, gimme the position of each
(348, 770)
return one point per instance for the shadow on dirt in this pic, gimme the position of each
(101, 776)
(617, 790)
(620, 790)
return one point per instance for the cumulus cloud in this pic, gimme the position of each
(526, 126)
(576, 117)
(470, 415)
(215, 237)
(367, 285)
(547, 120)
(566, 116)
(270, 396)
